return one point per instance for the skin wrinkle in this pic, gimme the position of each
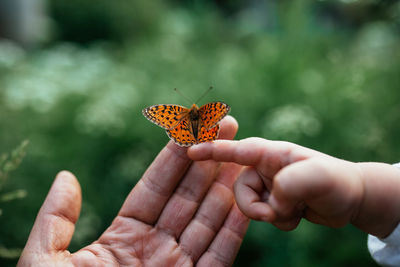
(235, 223)
(171, 251)
(249, 156)
(204, 219)
(224, 145)
(259, 185)
(234, 233)
(287, 157)
(223, 184)
(179, 250)
(213, 151)
(58, 239)
(252, 198)
(166, 226)
(235, 154)
(123, 223)
(188, 194)
(204, 239)
(218, 256)
(186, 191)
(131, 211)
(363, 192)
(360, 196)
(153, 247)
(146, 180)
(188, 200)
(206, 222)
(138, 248)
(188, 253)
(46, 245)
(153, 184)
(224, 174)
(262, 167)
(241, 152)
(111, 251)
(181, 152)
(296, 153)
(154, 187)
(59, 215)
(194, 196)
(93, 250)
(183, 263)
(52, 244)
(267, 182)
(262, 162)
(64, 192)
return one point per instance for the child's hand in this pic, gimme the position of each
(284, 182)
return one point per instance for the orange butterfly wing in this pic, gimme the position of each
(165, 116)
(177, 122)
(212, 113)
(208, 135)
(182, 134)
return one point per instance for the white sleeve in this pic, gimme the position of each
(386, 251)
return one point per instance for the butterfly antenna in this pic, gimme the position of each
(182, 95)
(206, 92)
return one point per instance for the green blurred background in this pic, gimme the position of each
(73, 81)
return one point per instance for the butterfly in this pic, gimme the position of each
(188, 126)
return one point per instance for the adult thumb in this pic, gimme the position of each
(55, 223)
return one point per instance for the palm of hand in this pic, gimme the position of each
(129, 242)
(179, 214)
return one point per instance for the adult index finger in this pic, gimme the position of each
(150, 195)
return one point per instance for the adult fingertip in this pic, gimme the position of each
(55, 222)
(229, 128)
(68, 178)
(65, 196)
(64, 174)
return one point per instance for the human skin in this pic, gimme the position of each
(283, 182)
(180, 213)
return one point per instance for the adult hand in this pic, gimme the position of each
(180, 213)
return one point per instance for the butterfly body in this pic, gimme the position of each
(194, 118)
(188, 126)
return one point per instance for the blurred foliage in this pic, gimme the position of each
(324, 75)
(8, 163)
